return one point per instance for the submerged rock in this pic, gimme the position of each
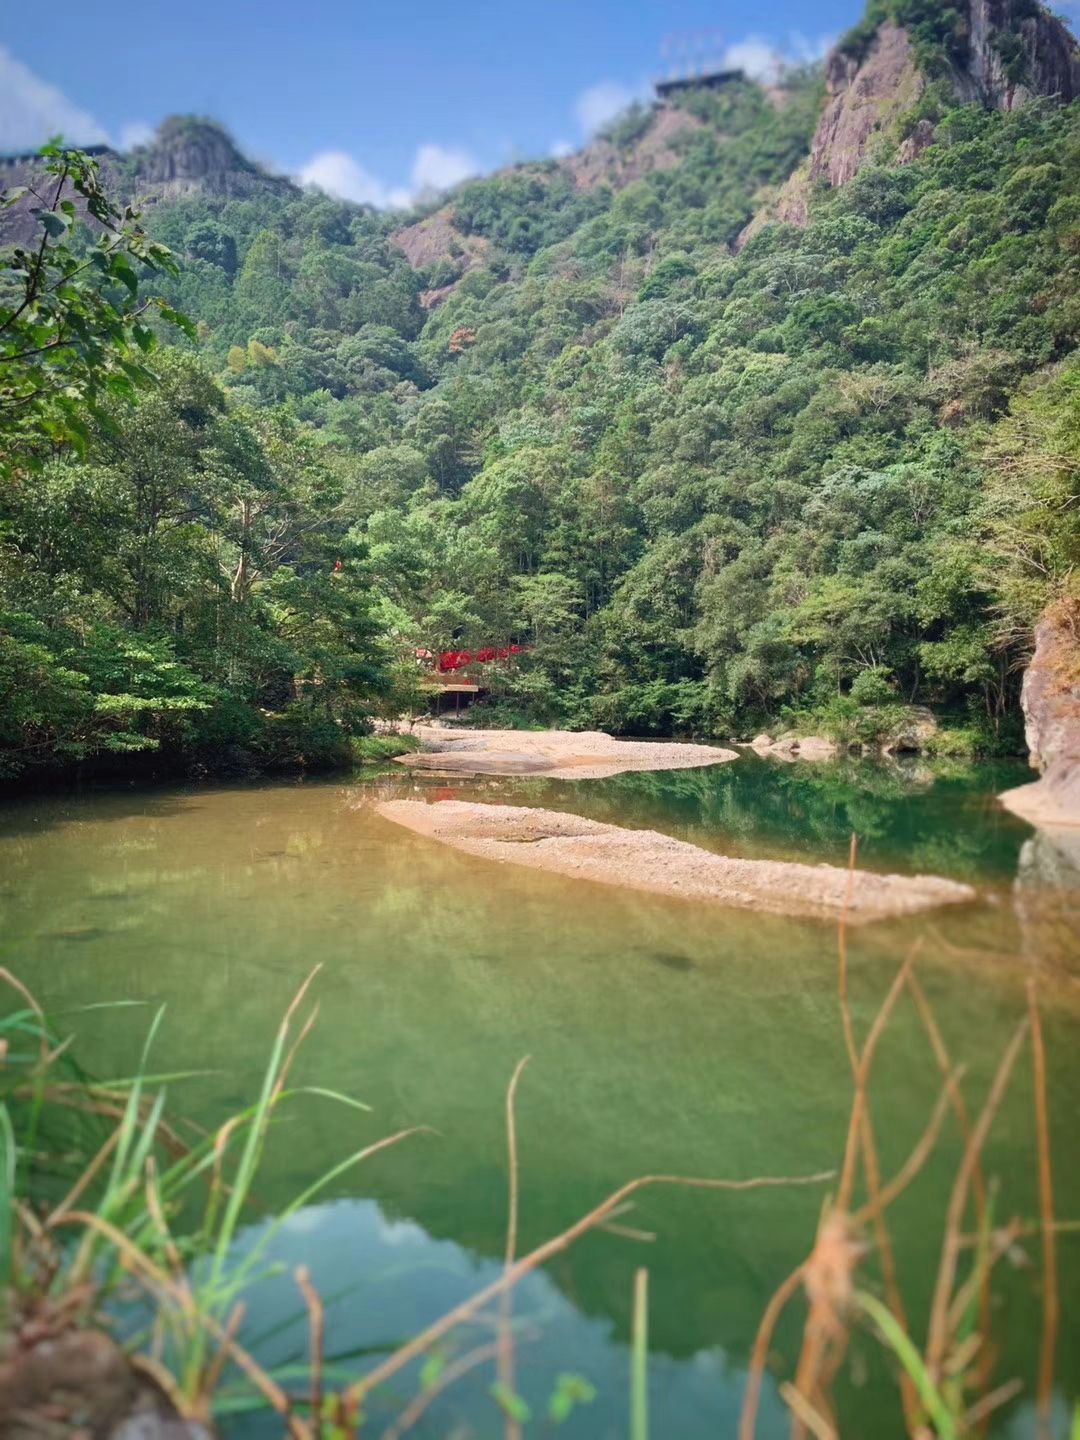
(644, 860)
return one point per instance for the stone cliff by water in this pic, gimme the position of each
(1051, 700)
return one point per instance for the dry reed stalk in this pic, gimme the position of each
(160, 1376)
(828, 1279)
(85, 1180)
(984, 1409)
(415, 1410)
(842, 957)
(759, 1355)
(639, 1367)
(998, 1245)
(938, 1332)
(212, 1375)
(550, 1248)
(862, 1075)
(893, 1297)
(818, 1426)
(823, 1331)
(505, 1360)
(985, 1367)
(1051, 1304)
(911, 1167)
(287, 1063)
(317, 1332)
(870, 1157)
(20, 989)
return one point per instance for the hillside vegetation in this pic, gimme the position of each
(716, 475)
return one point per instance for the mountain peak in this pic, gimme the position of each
(193, 155)
(997, 53)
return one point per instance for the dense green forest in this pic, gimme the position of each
(715, 477)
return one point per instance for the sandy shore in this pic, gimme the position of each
(559, 754)
(644, 860)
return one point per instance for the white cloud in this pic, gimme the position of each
(33, 111)
(561, 149)
(341, 175)
(135, 132)
(440, 167)
(760, 59)
(435, 168)
(766, 60)
(601, 103)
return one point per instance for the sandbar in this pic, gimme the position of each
(644, 860)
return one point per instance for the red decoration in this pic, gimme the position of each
(453, 660)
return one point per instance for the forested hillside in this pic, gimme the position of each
(715, 470)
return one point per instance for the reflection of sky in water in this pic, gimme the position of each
(384, 1279)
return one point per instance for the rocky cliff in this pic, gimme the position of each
(1051, 700)
(189, 156)
(1012, 51)
(186, 157)
(1015, 55)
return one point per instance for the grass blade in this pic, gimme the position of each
(639, 1366)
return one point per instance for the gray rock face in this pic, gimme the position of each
(189, 156)
(1051, 700)
(186, 157)
(1049, 60)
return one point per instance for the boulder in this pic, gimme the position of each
(914, 735)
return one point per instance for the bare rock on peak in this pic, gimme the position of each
(1011, 57)
(189, 156)
(1015, 56)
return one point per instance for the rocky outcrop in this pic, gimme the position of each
(794, 747)
(1011, 57)
(602, 162)
(865, 98)
(1015, 56)
(1051, 700)
(79, 1384)
(187, 157)
(194, 157)
(437, 238)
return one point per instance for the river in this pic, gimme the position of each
(664, 1038)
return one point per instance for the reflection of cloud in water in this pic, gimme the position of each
(400, 1232)
(376, 1298)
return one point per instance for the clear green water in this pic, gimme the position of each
(665, 1037)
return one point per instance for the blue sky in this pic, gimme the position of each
(372, 97)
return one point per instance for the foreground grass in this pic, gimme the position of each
(105, 1200)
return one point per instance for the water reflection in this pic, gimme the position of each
(665, 1038)
(938, 818)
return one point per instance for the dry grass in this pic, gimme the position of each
(123, 1203)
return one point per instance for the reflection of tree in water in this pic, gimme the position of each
(940, 817)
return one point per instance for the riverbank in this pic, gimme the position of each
(557, 754)
(645, 860)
